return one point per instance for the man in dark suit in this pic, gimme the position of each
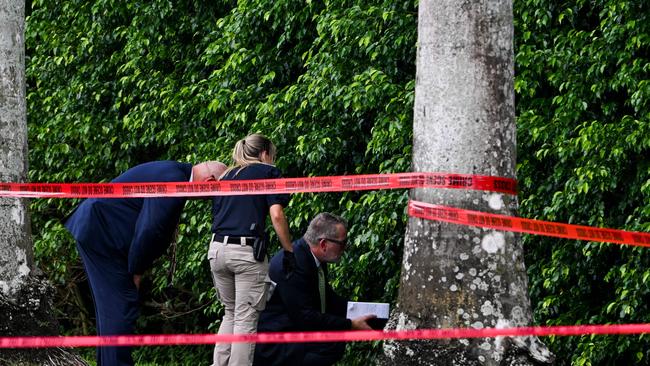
(119, 239)
(304, 301)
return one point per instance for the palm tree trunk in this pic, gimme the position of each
(25, 299)
(464, 122)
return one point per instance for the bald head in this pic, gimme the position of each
(208, 170)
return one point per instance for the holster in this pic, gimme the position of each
(260, 247)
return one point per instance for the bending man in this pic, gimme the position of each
(119, 238)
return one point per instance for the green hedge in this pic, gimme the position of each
(112, 85)
(583, 101)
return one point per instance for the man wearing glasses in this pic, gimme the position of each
(303, 300)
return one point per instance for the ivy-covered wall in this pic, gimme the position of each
(113, 84)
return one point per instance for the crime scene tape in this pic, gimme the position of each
(509, 223)
(334, 184)
(260, 186)
(329, 336)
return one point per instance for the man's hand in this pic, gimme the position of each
(361, 323)
(136, 280)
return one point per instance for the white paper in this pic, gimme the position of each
(357, 309)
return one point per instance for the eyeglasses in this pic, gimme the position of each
(342, 243)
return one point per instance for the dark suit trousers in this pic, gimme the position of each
(116, 300)
(298, 354)
(323, 354)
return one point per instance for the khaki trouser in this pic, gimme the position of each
(241, 284)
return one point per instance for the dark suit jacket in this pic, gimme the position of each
(138, 230)
(295, 306)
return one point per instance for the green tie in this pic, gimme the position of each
(321, 288)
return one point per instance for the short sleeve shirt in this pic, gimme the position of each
(234, 215)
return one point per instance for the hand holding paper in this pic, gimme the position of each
(363, 322)
(380, 311)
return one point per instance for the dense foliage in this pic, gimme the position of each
(583, 88)
(113, 84)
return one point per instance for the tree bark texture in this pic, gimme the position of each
(15, 237)
(457, 276)
(25, 299)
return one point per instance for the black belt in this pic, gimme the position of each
(234, 240)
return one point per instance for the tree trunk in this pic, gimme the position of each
(456, 276)
(15, 237)
(25, 299)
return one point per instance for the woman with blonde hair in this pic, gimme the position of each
(238, 224)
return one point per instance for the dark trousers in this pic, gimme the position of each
(116, 300)
(323, 354)
(298, 354)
